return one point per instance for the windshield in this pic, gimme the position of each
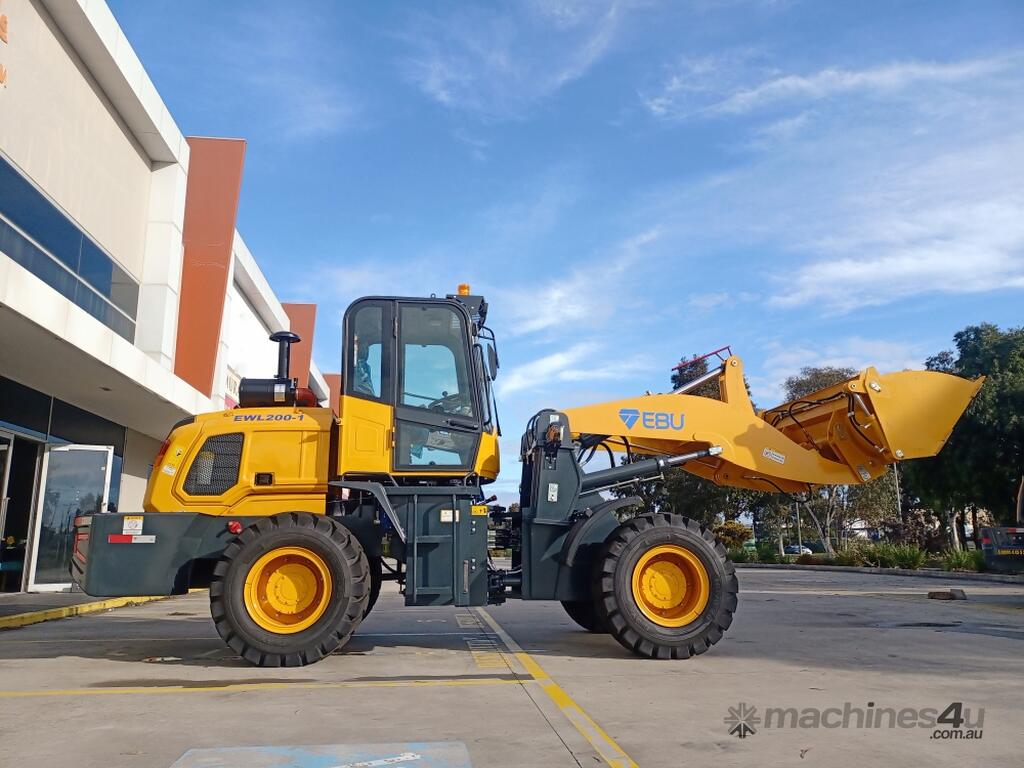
(434, 361)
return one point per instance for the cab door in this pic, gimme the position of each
(438, 418)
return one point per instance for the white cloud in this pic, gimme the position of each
(594, 290)
(498, 65)
(953, 225)
(889, 78)
(782, 361)
(871, 201)
(732, 85)
(582, 362)
(779, 131)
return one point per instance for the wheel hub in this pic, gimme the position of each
(670, 585)
(287, 590)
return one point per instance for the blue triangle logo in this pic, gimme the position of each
(629, 416)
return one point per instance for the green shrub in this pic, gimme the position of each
(908, 556)
(979, 560)
(808, 560)
(957, 560)
(851, 555)
(768, 552)
(880, 554)
(742, 555)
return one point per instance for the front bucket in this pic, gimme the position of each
(917, 410)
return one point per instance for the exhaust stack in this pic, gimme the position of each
(282, 389)
(848, 433)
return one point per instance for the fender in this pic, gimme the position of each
(579, 533)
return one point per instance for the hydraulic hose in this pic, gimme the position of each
(640, 470)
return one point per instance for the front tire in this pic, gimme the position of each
(290, 589)
(664, 587)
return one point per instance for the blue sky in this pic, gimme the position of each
(627, 182)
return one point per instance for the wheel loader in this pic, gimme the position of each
(293, 516)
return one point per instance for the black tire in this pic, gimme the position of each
(622, 615)
(376, 577)
(350, 589)
(584, 614)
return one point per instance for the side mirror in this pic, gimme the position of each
(492, 362)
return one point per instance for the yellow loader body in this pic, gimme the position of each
(293, 516)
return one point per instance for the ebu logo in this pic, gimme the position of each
(651, 419)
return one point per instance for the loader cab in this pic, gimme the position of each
(416, 401)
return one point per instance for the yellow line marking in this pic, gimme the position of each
(242, 687)
(605, 745)
(35, 617)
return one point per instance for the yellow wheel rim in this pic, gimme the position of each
(287, 590)
(671, 585)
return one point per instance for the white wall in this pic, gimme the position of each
(59, 128)
(139, 452)
(245, 348)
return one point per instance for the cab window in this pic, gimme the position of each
(434, 361)
(365, 363)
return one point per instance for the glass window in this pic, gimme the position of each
(481, 376)
(74, 425)
(24, 408)
(56, 240)
(22, 204)
(435, 371)
(95, 267)
(366, 359)
(423, 446)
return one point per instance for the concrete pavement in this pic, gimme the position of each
(141, 686)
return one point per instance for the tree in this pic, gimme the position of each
(811, 379)
(981, 464)
(733, 534)
(692, 369)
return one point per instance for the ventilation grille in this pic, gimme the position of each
(215, 468)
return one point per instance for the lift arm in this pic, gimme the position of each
(844, 434)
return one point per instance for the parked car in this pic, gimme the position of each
(796, 549)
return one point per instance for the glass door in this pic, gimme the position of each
(9, 565)
(75, 481)
(6, 451)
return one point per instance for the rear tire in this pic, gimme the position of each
(290, 589)
(584, 614)
(664, 587)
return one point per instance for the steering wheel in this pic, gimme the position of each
(441, 404)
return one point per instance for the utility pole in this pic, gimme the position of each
(899, 503)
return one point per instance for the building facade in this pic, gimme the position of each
(128, 299)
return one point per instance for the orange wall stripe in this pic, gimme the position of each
(211, 205)
(302, 318)
(334, 385)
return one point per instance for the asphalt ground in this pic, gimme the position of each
(521, 685)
